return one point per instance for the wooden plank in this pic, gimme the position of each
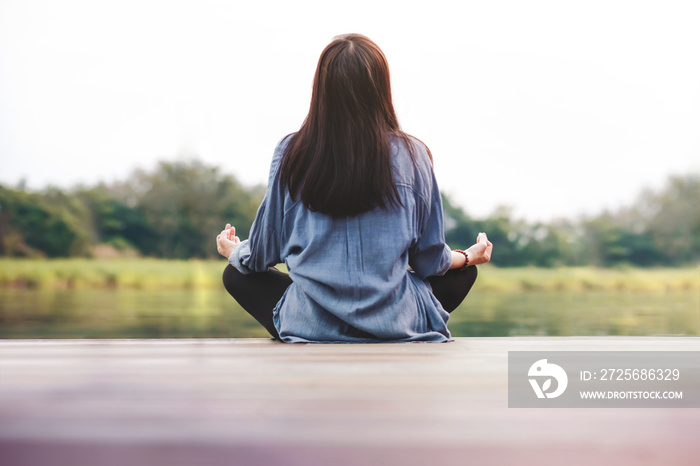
(255, 401)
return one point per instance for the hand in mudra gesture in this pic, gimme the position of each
(226, 241)
(480, 253)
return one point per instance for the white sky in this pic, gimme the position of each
(555, 108)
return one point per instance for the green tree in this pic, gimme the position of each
(30, 225)
(610, 242)
(672, 218)
(116, 223)
(185, 204)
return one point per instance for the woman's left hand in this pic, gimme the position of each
(480, 252)
(227, 241)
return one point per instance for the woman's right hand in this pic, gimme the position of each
(480, 253)
(227, 241)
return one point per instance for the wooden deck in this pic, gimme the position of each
(258, 402)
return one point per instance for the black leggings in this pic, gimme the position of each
(258, 293)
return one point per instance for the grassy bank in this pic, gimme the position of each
(155, 273)
(589, 278)
(122, 273)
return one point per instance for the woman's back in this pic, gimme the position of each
(350, 274)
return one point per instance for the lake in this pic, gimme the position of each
(199, 313)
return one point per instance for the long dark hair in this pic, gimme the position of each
(339, 162)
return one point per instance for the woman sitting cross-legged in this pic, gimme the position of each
(353, 209)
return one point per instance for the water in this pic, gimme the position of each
(131, 313)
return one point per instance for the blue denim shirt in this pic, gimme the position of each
(351, 277)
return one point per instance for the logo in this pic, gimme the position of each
(543, 370)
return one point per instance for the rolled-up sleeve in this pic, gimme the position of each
(262, 249)
(430, 255)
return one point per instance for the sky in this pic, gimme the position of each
(552, 108)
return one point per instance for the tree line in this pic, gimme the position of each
(171, 212)
(175, 210)
(661, 228)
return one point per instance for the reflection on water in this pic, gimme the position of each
(125, 313)
(578, 313)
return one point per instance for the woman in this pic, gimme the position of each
(351, 204)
